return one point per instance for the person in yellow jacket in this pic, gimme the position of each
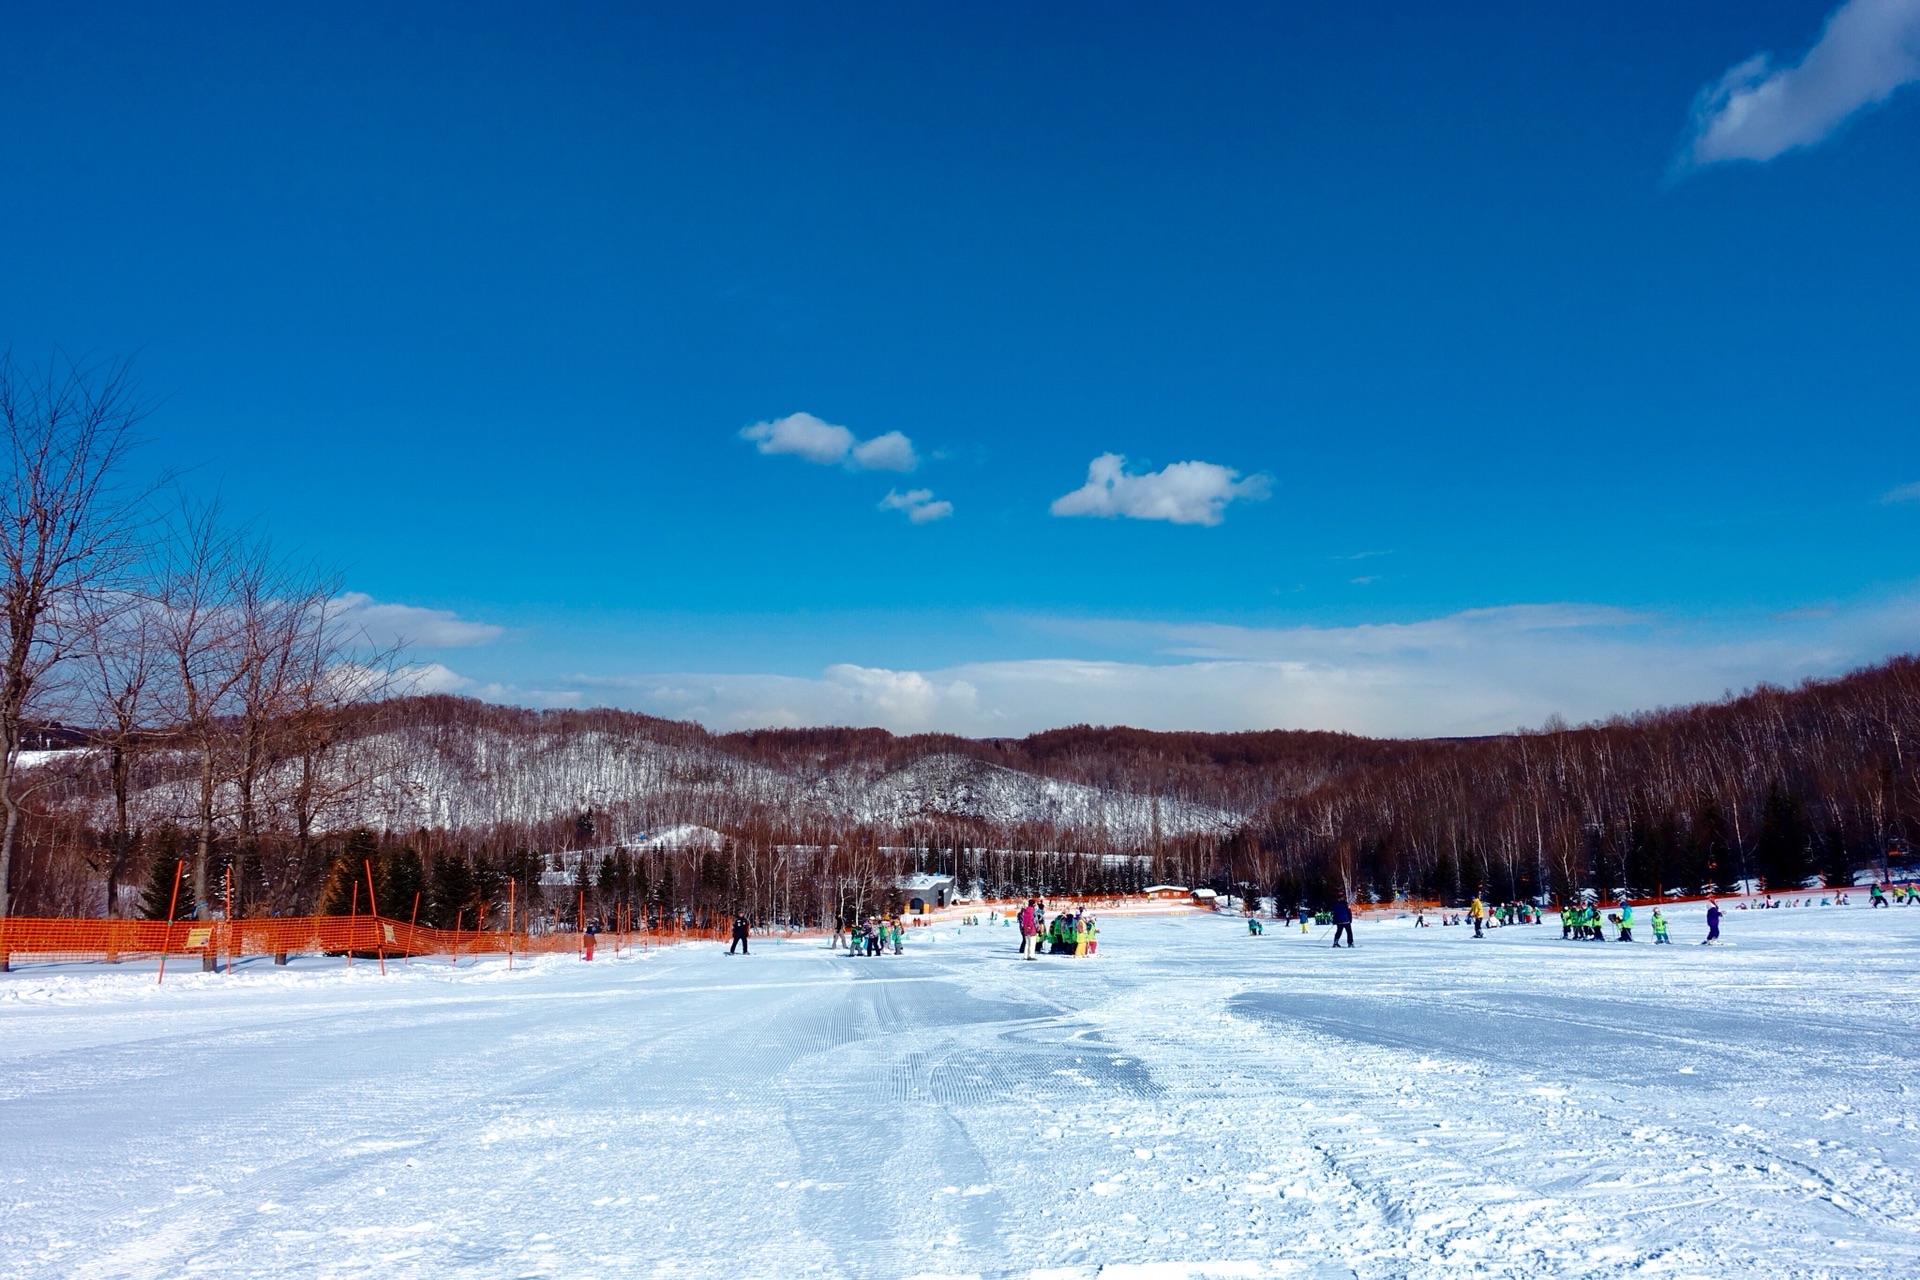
(1478, 912)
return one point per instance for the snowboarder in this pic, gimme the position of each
(1342, 921)
(739, 935)
(1713, 923)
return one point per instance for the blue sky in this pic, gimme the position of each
(1529, 360)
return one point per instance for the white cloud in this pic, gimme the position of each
(889, 452)
(389, 624)
(1904, 493)
(430, 677)
(918, 504)
(1181, 492)
(1481, 671)
(805, 436)
(1756, 111)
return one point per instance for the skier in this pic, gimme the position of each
(1342, 921)
(1478, 911)
(1713, 923)
(739, 935)
(1566, 921)
(1253, 927)
(899, 939)
(1029, 929)
(1626, 920)
(1877, 896)
(592, 934)
(1660, 928)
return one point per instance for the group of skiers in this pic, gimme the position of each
(1581, 922)
(874, 935)
(1068, 933)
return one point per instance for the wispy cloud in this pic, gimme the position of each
(1180, 493)
(919, 504)
(1480, 671)
(1904, 493)
(430, 677)
(388, 624)
(1758, 110)
(807, 437)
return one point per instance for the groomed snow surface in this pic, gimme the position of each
(1193, 1102)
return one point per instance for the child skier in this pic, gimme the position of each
(1660, 928)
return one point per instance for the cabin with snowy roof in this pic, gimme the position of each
(926, 892)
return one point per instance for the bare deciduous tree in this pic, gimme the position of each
(116, 683)
(200, 625)
(66, 525)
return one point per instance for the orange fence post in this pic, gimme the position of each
(411, 926)
(373, 904)
(512, 885)
(353, 922)
(172, 905)
(580, 922)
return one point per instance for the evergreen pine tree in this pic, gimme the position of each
(400, 876)
(453, 894)
(347, 877)
(1836, 860)
(160, 879)
(1783, 850)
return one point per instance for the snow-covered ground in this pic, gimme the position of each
(1193, 1102)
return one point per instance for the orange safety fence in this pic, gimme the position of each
(112, 940)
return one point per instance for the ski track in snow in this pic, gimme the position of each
(1191, 1103)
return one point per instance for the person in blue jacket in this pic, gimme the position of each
(1713, 922)
(1342, 921)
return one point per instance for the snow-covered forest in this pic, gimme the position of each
(1776, 785)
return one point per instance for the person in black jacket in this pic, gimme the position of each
(1342, 921)
(739, 935)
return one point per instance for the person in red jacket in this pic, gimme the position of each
(1029, 928)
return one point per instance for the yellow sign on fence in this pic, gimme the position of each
(198, 937)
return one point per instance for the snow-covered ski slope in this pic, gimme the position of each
(1193, 1102)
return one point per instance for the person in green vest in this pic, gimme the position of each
(1660, 928)
(1626, 920)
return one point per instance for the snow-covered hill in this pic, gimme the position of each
(472, 776)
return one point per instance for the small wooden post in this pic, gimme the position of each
(232, 942)
(166, 938)
(411, 925)
(373, 904)
(512, 886)
(353, 921)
